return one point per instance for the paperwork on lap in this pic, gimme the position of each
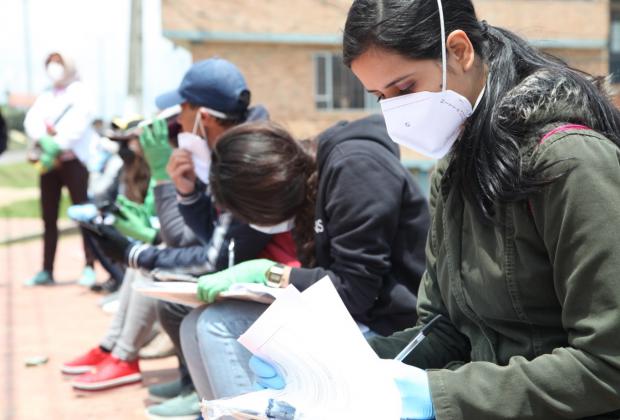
(330, 370)
(184, 292)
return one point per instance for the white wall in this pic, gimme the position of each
(96, 33)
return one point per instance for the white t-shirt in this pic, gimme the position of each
(74, 127)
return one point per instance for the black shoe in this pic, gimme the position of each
(107, 287)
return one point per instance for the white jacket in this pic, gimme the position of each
(74, 129)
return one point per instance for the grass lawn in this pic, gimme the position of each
(18, 175)
(31, 208)
(23, 175)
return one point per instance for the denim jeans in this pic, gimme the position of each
(217, 363)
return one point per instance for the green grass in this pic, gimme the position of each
(18, 175)
(31, 208)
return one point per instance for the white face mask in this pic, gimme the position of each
(199, 148)
(285, 226)
(429, 122)
(55, 71)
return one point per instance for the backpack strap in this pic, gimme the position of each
(560, 129)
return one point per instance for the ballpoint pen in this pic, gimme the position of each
(231, 253)
(417, 339)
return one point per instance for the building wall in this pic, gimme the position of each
(281, 77)
(549, 19)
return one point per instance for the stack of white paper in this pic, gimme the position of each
(330, 370)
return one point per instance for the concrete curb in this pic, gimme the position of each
(39, 235)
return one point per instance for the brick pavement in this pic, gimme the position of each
(59, 322)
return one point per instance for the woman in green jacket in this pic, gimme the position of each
(524, 250)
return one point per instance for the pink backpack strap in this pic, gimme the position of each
(560, 129)
(565, 127)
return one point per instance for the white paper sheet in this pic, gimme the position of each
(330, 370)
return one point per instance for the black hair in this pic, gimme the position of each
(262, 175)
(487, 163)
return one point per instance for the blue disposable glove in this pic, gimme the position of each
(82, 212)
(415, 392)
(267, 376)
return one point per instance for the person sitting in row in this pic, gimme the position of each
(356, 215)
(522, 257)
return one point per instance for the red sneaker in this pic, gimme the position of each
(110, 373)
(85, 362)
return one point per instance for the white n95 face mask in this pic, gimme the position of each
(429, 122)
(199, 148)
(285, 226)
(55, 71)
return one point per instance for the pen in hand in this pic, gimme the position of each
(231, 253)
(417, 339)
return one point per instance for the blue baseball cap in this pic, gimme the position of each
(214, 83)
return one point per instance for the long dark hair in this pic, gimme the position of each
(263, 176)
(487, 163)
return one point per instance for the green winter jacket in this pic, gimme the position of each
(531, 305)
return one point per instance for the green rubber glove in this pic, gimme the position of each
(156, 149)
(133, 221)
(49, 146)
(252, 271)
(50, 151)
(45, 163)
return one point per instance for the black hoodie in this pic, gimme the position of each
(371, 225)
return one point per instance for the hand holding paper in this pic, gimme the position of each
(267, 376)
(415, 393)
(329, 369)
(253, 271)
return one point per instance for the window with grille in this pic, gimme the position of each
(336, 87)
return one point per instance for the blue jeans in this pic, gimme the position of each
(217, 363)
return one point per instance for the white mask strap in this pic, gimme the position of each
(196, 120)
(444, 61)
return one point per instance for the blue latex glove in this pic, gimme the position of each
(82, 212)
(267, 376)
(415, 392)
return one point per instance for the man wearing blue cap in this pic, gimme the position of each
(213, 97)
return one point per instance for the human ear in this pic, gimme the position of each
(460, 47)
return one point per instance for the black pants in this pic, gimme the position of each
(170, 316)
(116, 270)
(73, 175)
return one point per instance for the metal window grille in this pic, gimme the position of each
(337, 88)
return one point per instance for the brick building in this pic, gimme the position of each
(289, 50)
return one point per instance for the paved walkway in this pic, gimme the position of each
(58, 322)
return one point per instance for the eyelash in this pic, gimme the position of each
(401, 92)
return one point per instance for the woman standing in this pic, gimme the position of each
(60, 122)
(523, 254)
